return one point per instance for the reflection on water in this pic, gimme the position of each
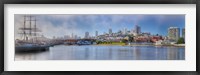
(93, 52)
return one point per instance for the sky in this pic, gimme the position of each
(60, 25)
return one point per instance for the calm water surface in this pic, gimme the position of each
(94, 52)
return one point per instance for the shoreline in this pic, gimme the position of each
(175, 45)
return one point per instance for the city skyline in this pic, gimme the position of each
(61, 25)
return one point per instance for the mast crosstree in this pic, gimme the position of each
(29, 29)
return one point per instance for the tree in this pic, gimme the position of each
(180, 41)
(131, 39)
(124, 40)
(98, 42)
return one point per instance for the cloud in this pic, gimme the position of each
(45, 24)
(167, 18)
(60, 25)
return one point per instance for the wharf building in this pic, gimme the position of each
(173, 33)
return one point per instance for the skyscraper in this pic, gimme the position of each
(110, 32)
(137, 30)
(75, 36)
(96, 33)
(72, 36)
(174, 33)
(183, 33)
(86, 34)
(125, 31)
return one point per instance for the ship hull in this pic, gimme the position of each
(32, 48)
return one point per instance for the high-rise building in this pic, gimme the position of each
(66, 37)
(96, 33)
(137, 30)
(75, 37)
(183, 33)
(86, 34)
(72, 36)
(110, 31)
(125, 31)
(174, 33)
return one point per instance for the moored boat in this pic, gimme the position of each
(31, 47)
(29, 41)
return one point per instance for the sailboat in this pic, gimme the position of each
(29, 34)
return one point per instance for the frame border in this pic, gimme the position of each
(2, 2)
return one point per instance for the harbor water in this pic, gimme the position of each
(97, 52)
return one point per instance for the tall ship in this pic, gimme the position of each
(29, 34)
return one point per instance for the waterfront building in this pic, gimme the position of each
(173, 33)
(159, 42)
(155, 38)
(141, 39)
(86, 34)
(183, 33)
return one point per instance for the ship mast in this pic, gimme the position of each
(24, 28)
(30, 25)
(35, 30)
(32, 30)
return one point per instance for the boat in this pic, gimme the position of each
(82, 42)
(29, 41)
(31, 47)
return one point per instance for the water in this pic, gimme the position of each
(94, 52)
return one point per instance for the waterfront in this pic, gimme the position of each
(99, 52)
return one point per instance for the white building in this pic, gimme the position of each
(174, 33)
